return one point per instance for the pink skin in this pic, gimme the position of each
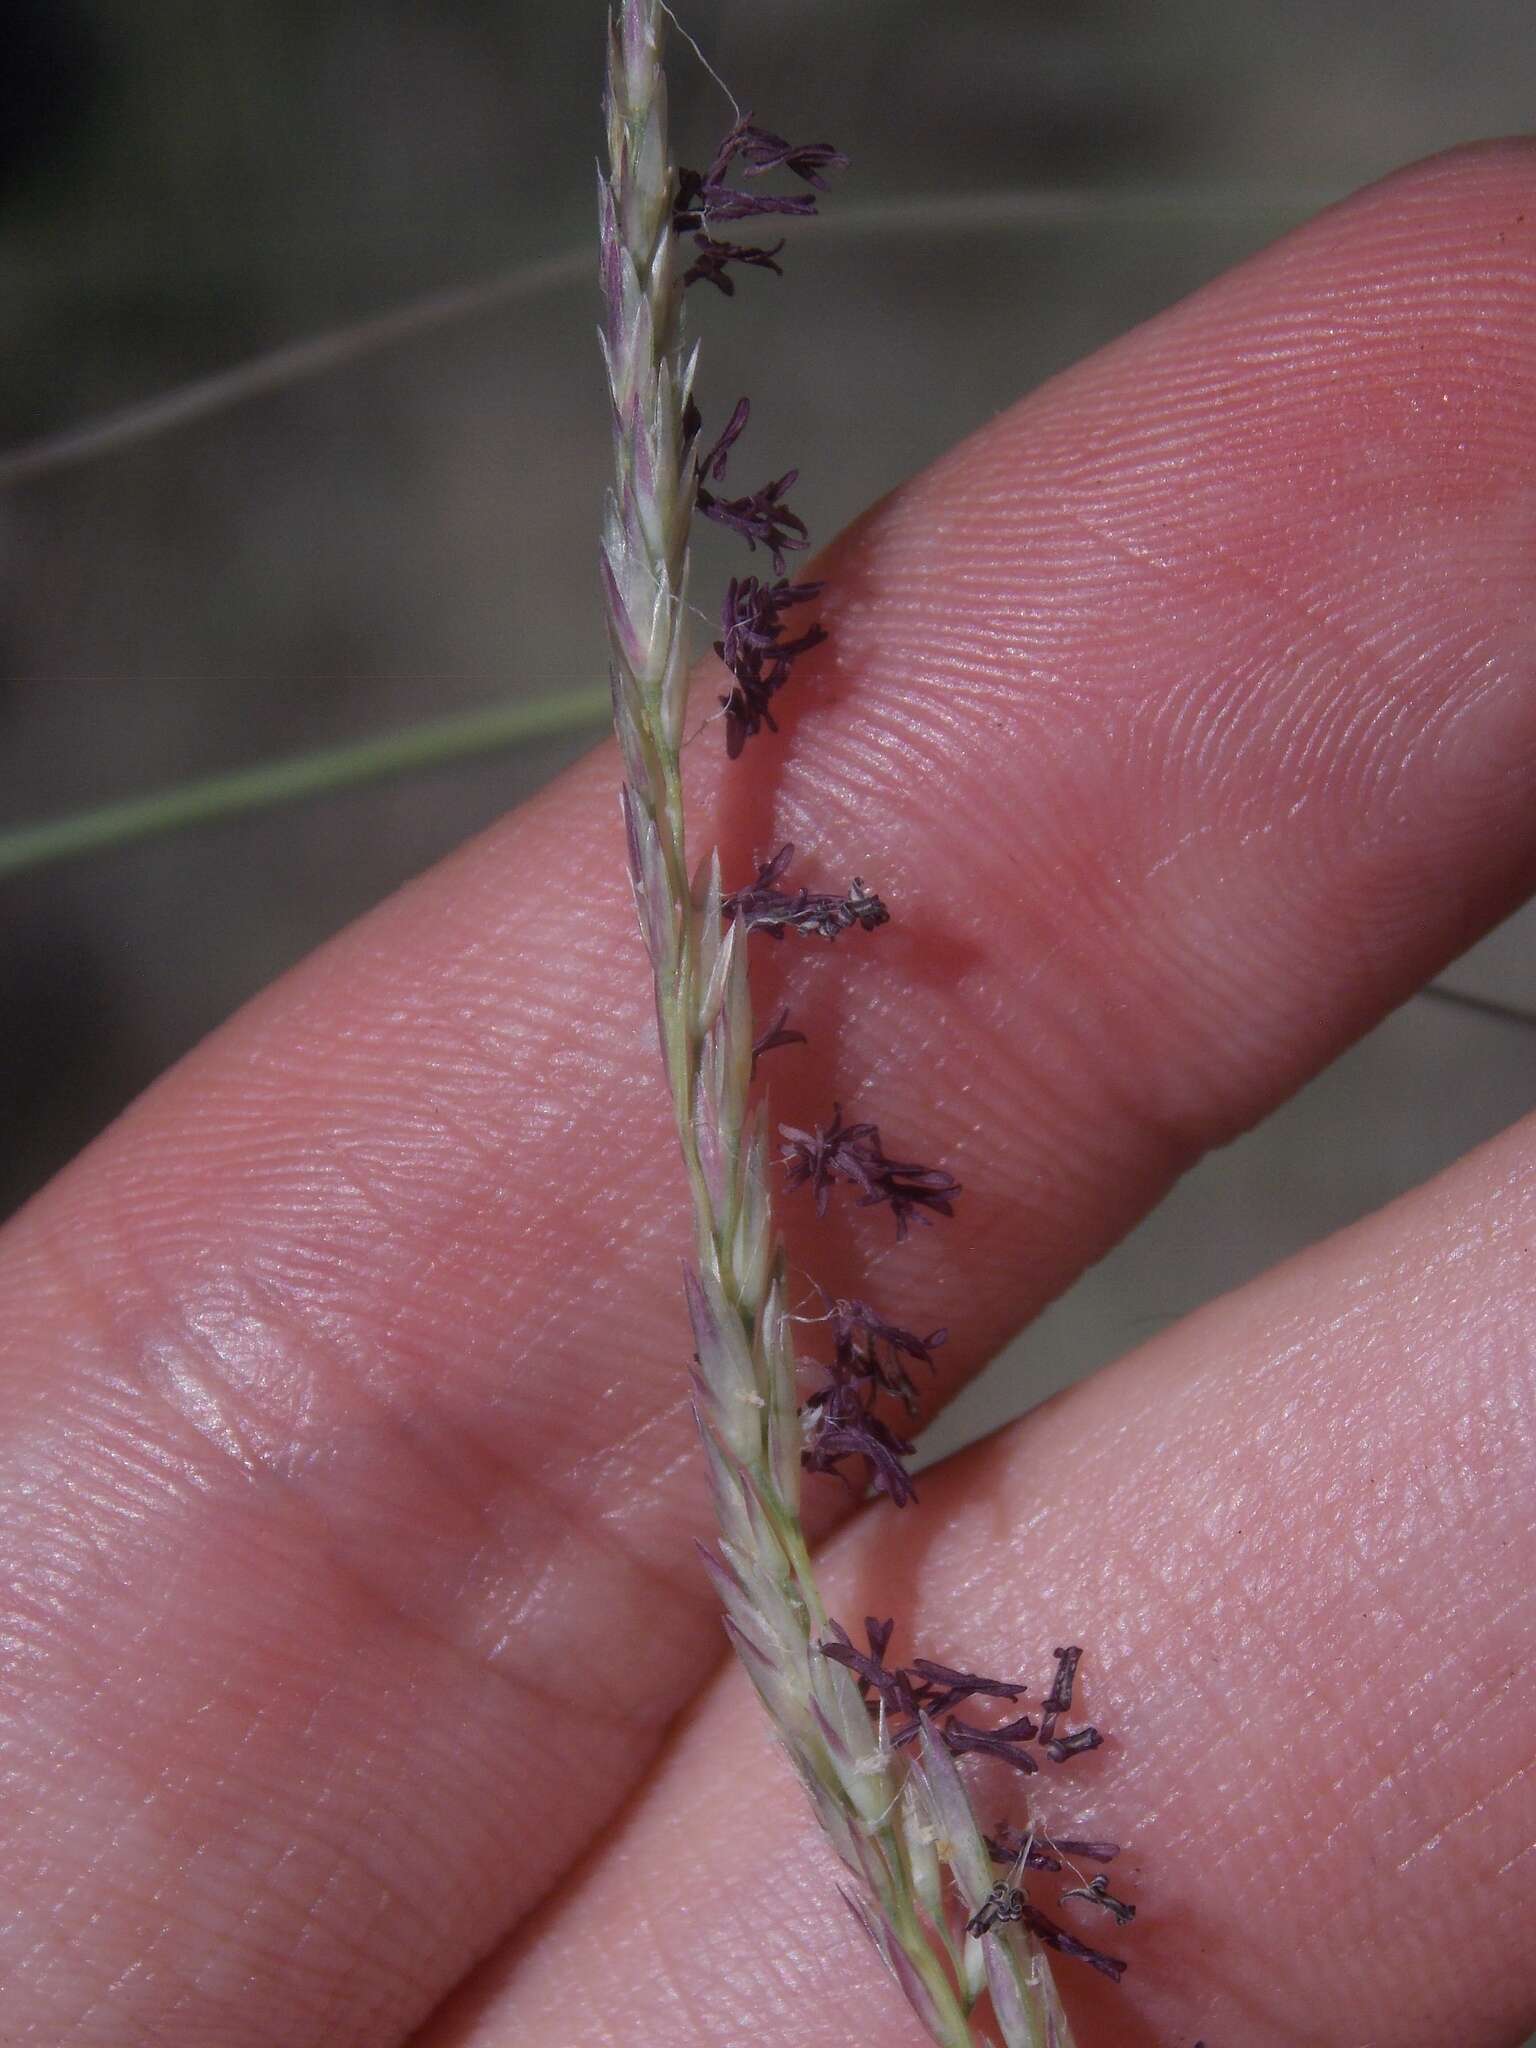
(1184, 718)
(1287, 1530)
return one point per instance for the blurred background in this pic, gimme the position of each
(377, 528)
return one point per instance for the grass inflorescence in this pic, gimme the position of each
(876, 1745)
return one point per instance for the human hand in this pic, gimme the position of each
(1184, 718)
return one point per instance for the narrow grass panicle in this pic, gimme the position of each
(876, 1746)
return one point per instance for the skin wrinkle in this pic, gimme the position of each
(601, 1539)
(666, 1473)
(380, 1170)
(212, 1974)
(64, 1483)
(266, 1902)
(477, 1204)
(544, 1025)
(710, 2004)
(136, 1239)
(259, 1714)
(1458, 732)
(78, 2031)
(558, 1507)
(1352, 744)
(1368, 710)
(55, 1929)
(145, 1962)
(1519, 1775)
(241, 1327)
(577, 1300)
(1349, 643)
(351, 1857)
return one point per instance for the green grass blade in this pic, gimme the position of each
(429, 745)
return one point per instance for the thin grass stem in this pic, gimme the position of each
(432, 744)
(285, 368)
(299, 362)
(1480, 1006)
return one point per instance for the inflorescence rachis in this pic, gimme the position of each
(878, 1746)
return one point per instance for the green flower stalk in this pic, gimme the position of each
(892, 1803)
